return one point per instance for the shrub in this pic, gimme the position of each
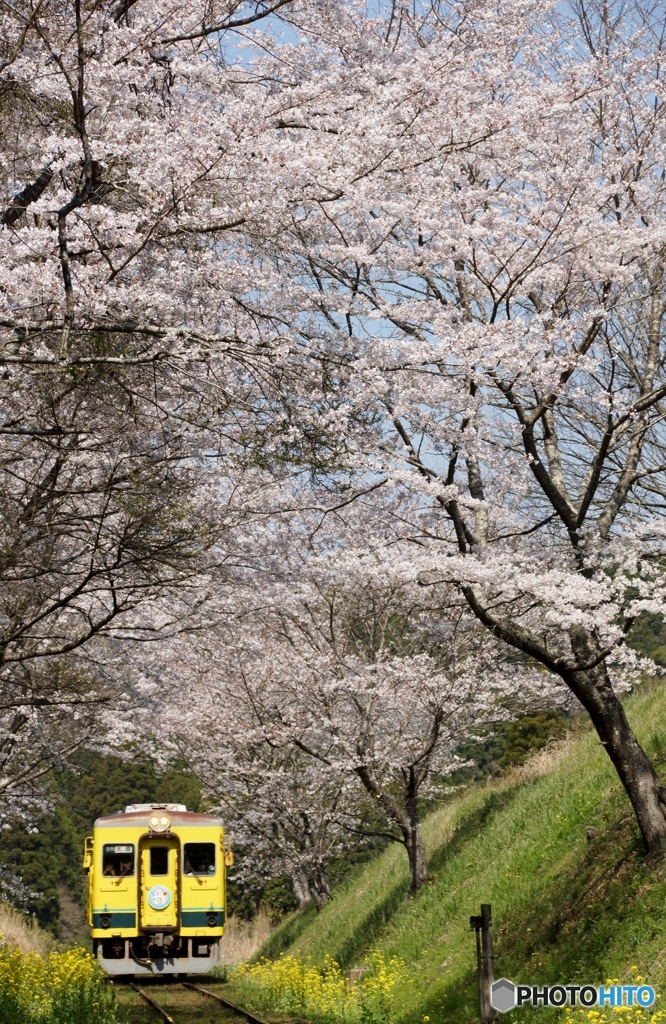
(60, 988)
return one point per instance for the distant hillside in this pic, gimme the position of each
(566, 907)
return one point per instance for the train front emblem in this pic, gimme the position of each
(159, 897)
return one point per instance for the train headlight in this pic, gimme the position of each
(159, 823)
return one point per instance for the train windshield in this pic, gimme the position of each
(159, 860)
(118, 860)
(199, 859)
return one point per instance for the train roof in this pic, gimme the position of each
(137, 815)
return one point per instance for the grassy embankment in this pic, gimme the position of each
(565, 907)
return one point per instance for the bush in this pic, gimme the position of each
(60, 988)
(291, 986)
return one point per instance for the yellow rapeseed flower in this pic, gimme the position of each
(61, 988)
(294, 985)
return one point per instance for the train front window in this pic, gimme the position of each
(199, 859)
(159, 860)
(118, 860)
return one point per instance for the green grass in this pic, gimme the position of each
(565, 908)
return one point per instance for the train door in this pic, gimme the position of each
(159, 903)
(88, 862)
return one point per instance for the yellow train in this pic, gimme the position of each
(156, 889)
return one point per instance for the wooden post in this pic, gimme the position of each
(483, 926)
(487, 961)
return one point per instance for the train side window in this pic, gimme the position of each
(199, 859)
(118, 860)
(159, 860)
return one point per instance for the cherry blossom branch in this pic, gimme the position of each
(22, 37)
(232, 23)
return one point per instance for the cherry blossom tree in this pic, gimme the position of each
(125, 167)
(413, 250)
(324, 704)
(478, 277)
(287, 815)
(362, 680)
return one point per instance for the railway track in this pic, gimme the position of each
(151, 1002)
(230, 1012)
(225, 1002)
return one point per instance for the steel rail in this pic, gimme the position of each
(156, 1006)
(225, 1002)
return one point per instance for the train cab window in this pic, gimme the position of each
(118, 860)
(159, 860)
(199, 859)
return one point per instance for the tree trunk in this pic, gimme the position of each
(319, 887)
(408, 824)
(634, 768)
(301, 889)
(593, 688)
(418, 860)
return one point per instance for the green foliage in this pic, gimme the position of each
(244, 901)
(44, 856)
(179, 787)
(278, 896)
(568, 905)
(648, 637)
(510, 743)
